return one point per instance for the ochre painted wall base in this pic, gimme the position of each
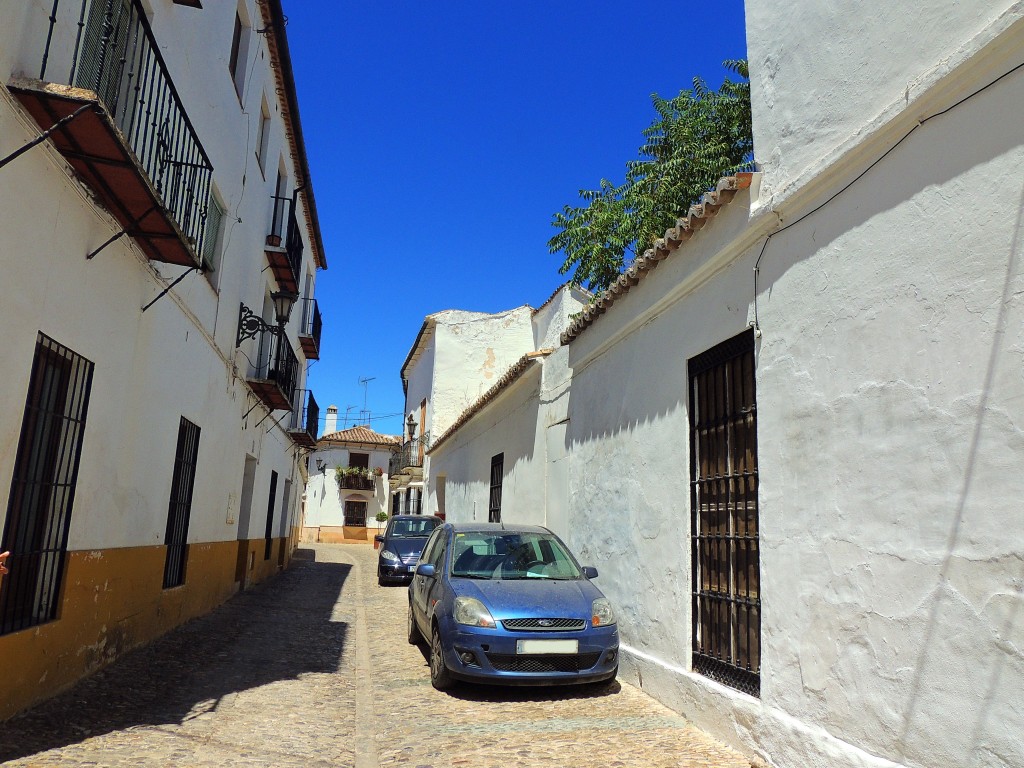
(113, 600)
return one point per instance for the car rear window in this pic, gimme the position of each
(403, 529)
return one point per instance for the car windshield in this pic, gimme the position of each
(511, 555)
(412, 529)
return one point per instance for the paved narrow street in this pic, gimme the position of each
(313, 669)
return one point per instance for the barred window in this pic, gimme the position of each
(268, 535)
(179, 508)
(494, 500)
(211, 250)
(43, 486)
(724, 528)
(355, 513)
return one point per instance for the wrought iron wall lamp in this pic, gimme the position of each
(249, 323)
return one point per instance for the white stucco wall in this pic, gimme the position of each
(890, 398)
(825, 77)
(472, 351)
(510, 425)
(176, 359)
(325, 504)
(550, 320)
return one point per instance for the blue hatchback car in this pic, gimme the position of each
(509, 604)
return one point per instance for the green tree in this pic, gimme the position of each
(698, 137)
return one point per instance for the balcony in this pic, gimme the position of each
(305, 418)
(309, 332)
(355, 478)
(284, 244)
(276, 374)
(105, 90)
(408, 458)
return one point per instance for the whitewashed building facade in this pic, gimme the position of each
(793, 430)
(456, 359)
(348, 483)
(155, 207)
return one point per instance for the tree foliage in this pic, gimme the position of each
(698, 137)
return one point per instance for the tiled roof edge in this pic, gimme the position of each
(514, 372)
(696, 217)
(559, 290)
(375, 438)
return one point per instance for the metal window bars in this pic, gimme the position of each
(179, 507)
(115, 54)
(43, 486)
(724, 526)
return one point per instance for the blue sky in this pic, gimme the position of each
(443, 136)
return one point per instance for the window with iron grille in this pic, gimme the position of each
(211, 246)
(179, 509)
(355, 513)
(396, 504)
(269, 534)
(43, 486)
(494, 500)
(724, 527)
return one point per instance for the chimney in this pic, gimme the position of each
(331, 424)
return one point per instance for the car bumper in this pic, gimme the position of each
(398, 572)
(489, 656)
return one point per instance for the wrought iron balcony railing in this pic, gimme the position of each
(312, 325)
(284, 243)
(409, 455)
(107, 47)
(353, 482)
(305, 418)
(276, 371)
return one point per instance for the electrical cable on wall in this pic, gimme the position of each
(755, 324)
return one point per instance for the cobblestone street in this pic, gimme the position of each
(313, 668)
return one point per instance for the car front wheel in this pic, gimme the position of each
(440, 677)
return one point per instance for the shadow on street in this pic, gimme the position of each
(275, 631)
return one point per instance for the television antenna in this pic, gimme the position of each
(364, 382)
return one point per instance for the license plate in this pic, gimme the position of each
(547, 646)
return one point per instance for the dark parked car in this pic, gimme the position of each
(400, 546)
(509, 604)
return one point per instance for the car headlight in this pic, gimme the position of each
(473, 613)
(389, 555)
(601, 613)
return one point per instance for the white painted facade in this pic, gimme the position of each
(457, 358)
(325, 502)
(890, 403)
(178, 358)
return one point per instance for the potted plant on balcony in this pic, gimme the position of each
(356, 478)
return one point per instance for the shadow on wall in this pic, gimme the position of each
(932, 654)
(935, 154)
(276, 631)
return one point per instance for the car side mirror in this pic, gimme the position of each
(590, 571)
(425, 569)
(379, 539)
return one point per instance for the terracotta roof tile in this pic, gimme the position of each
(361, 435)
(663, 247)
(513, 373)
